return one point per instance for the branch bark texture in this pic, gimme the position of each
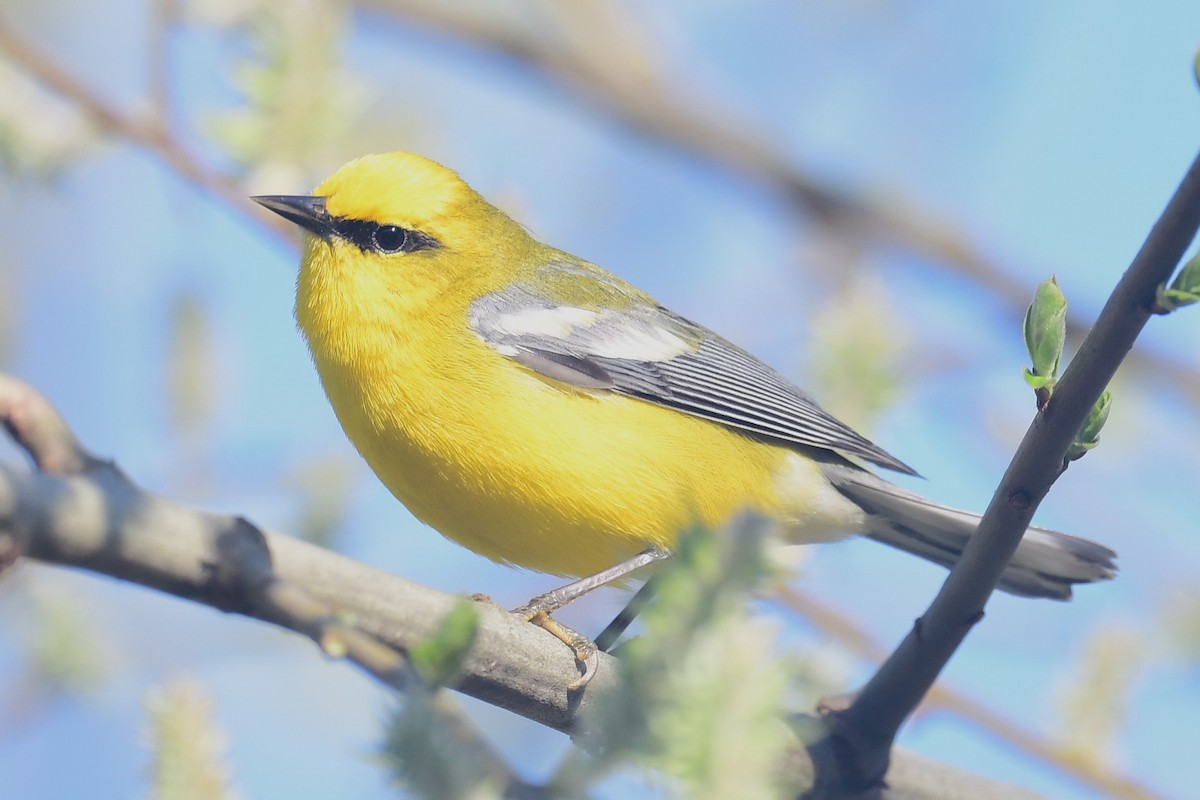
(83, 512)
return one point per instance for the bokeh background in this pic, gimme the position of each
(863, 193)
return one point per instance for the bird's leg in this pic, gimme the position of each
(554, 600)
(608, 637)
(539, 609)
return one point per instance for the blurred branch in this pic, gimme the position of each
(163, 14)
(649, 105)
(652, 105)
(855, 638)
(149, 133)
(83, 512)
(854, 751)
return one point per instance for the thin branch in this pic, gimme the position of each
(658, 112)
(148, 132)
(163, 16)
(652, 105)
(41, 431)
(855, 753)
(855, 638)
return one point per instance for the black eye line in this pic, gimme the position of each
(361, 233)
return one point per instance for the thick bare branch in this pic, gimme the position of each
(94, 518)
(99, 521)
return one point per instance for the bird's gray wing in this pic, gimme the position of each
(573, 322)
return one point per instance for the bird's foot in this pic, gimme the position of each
(584, 649)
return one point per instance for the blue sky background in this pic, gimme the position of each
(1050, 135)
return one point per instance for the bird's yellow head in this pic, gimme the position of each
(388, 232)
(409, 192)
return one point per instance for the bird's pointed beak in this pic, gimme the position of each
(307, 212)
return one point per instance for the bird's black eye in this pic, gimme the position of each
(391, 238)
(370, 236)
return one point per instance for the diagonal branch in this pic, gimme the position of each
(854, 754)
(856, 639)
(147, 132)
(657, 112)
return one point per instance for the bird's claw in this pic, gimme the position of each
(584, 649)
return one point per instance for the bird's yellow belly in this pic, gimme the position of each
(543, 476)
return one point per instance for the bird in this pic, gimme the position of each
(543, 412)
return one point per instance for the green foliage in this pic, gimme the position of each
(10, 307)
(439, 659)
(857, 347)
(66, 644)
(1045, 338)
(41, 135)
(433, 753)
(702, 687)
(1045, 334)
(700, 697)
(191, 369)
(187, 748)
(1094, 701)
(1089, 435)
(1182, 625)
(429, 748)
(300, 103)
(1183, 291)
(322, 487)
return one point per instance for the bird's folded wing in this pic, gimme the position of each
(602, 334)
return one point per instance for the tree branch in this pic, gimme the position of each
(154, 137)
(83, 512)
(855, 752)
(652, 105)
(241, 577)
(659, 113)
(148, 132)
(855, 638)
(90, 515)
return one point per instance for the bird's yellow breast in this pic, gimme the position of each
(514, 466)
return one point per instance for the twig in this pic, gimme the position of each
(855, 638)
(855, 753)
(149, 133)
(41, 431)
(244, 579)
(658, 113)
(163, 14)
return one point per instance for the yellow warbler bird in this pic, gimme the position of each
(545, 413)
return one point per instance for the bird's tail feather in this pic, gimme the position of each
(1046, 564)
